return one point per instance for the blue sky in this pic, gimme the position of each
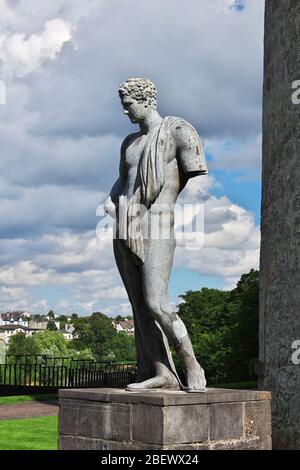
(62, 126)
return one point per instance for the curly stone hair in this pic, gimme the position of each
(140, 89)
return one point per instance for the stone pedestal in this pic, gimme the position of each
(113, 419)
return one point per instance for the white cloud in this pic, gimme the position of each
(27, 40)
(80, 267)
(23, 274)
(123, 309)
(231, 238)
(17, 15)
(22, 55)
(236, 154)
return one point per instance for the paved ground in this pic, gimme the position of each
(30, 409)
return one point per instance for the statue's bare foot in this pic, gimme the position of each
(159, 381)
(196, 381)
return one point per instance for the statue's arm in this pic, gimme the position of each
(119, 185)
(190, 152)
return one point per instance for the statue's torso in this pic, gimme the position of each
(173, 182)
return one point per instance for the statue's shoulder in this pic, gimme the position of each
(128, 140)
(182, 130)
(188, 143)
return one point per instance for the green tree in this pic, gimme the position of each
(20, 344)
(51, 314)
(120, 318)
(209, 318)
(38, 317)
(82, 354)
(102, 333)
(245, 334)
(63, 320)
(82, 334)
(223, 326)
(2, 351)
(97, 333)
(51, 326)
(123, 348)
(50, 343)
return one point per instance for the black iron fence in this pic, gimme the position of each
(44, 374)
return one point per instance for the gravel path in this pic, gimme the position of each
(32, 409)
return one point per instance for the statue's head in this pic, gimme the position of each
(138, 97)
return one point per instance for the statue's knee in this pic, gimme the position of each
(154, 309)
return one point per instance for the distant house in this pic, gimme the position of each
(68, 330)
(68, 335)
(15, 318)
(7, 331)
(40, 324)
(15, 322)
(69, 327)
(126, 326)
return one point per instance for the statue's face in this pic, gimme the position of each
(135, 110)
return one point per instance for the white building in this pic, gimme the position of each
(69, 327)
(38, 324)
(16, 318)
(12, 323)
(7, 331)
(67, 335)
(126, 326)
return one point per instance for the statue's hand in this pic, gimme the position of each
(110, 207)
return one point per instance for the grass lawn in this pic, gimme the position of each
(24, 398)
(29, 434)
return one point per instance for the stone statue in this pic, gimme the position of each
(155, 165)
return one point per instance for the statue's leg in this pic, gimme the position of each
(152, 351)
(155, 278)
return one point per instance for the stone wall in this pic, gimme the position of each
(280, 247)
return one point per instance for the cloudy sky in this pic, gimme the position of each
(62, 125)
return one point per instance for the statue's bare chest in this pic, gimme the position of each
(135, 150)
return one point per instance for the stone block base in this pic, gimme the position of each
(113, 419)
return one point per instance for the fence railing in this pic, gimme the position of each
(44, 372)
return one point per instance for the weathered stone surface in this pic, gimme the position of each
(67, 418)
(165, 397)
(147, 421)
(280, 246)
(95, 420)
(170, 424)
(257, 422)
(164, 420)
(83, 443)
(226, 421)
(254, 443)
(86, 443)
